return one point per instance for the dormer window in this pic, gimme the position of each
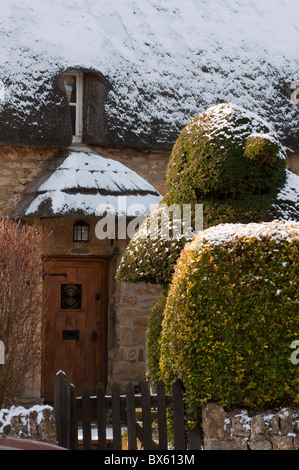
(73, 83)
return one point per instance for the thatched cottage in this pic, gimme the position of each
(93, 95)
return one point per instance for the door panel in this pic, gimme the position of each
(75, 323)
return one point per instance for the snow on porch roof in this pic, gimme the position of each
(89, 184)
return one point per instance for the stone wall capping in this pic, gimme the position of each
(37, 422)
(242, 429)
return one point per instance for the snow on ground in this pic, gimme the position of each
(164, 59)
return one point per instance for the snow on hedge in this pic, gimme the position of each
(223, 234)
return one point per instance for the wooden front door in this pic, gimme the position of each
(75, 323)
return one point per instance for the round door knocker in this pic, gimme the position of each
(71, 296)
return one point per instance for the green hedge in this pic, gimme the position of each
(153, 333)
(150, 257)
(225, 152)
(221, 162)
(231, 315)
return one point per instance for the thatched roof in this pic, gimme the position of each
(88, 184)
(152, 66)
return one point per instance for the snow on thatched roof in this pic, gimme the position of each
(89, 184)
(165, 61)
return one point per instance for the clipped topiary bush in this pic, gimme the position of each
(154, 249)
(231, 315)
(225, 152)
(228, 160)
(153, 333)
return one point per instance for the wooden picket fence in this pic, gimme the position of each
(133, 411)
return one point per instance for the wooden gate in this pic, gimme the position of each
(135, 412)
(75, 322)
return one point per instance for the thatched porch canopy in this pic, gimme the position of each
(88, 184)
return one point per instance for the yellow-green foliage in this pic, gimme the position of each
(231, 315)
(152, 335)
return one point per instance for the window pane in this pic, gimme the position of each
(73, 118)
(85, 233)
(77, 233)
(70, 86)
(81, 232)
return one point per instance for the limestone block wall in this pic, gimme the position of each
(293, 163)
(127, 357)
(244, 430)
(234, 430)
(18, 168)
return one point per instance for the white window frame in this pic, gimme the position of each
(294, 87)
(77, 138)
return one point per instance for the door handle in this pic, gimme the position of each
(94, 335)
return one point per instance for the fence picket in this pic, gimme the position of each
(194, 438)
(64, 406)
(162, 418)
(146, 416)
(73, 419)
(101, 417)
(116, 422)
(131, 416)
(86, 417)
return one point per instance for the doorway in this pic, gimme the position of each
(75, 297)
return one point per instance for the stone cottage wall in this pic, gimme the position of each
(244, 430)
(293, 163)
(19, 166)
(127, 357)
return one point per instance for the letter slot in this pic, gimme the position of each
(70, 334)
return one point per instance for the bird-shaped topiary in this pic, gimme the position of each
(227, 160)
